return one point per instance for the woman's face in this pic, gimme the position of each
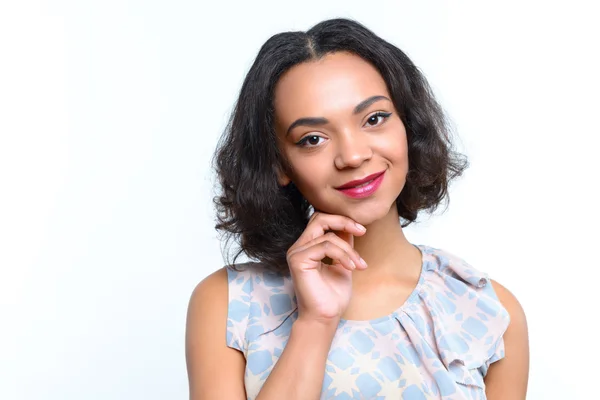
(336, 123)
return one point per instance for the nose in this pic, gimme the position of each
(352, 150)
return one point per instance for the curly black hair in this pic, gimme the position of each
(264, 218)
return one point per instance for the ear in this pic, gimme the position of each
(283, 179)
(282, 170)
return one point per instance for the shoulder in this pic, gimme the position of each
(211, 299)
(518, 321)
(454, 271)
(464, 302)
(214, 285)
(456, 274)
(231, 283)
(253, 279)
(211, 294)
(506, 369)
(208, 301)
(245, 298)
(453, 268)
(245, 278)
(508, 378)
(516, 335)
(205, 342)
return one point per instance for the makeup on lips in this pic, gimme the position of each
(362, 187)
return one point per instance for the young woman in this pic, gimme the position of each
(336, 143)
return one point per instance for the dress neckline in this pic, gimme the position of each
(409, 300)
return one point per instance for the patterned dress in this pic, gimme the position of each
(437, 345)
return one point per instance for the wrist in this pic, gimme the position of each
(316, 327)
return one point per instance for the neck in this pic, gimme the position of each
(385, 249)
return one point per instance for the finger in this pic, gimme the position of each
(322, 223)
(343, 244)
(315, 254)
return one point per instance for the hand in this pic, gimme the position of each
(323, 290)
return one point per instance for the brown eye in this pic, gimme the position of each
(373, 120)
(310, 141)
(377, 118)
(314, 140)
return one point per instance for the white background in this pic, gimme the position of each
(110, 112)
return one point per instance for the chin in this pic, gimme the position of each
(367, 217)
(365, 214)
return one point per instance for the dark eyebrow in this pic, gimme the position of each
(318, 121)
(363, 105)
(307, 122)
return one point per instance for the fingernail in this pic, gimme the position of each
(360, 227)
(352, 264)
(363, 262)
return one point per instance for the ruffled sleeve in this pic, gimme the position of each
(456, 318)
(260, 301)
(240, 284)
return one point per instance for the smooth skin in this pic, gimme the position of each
(352, 131)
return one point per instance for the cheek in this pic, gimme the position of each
(393, 147)
(308, 176)
(310, 184)
(313, 181)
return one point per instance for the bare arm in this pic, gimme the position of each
(300, 370)
(323, 292)
(507, 378)
(216, 371)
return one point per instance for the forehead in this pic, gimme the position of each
(335, 83)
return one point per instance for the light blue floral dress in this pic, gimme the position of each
(437, 345)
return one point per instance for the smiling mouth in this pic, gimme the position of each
(364, 188)
(364, 184)
(358, 183)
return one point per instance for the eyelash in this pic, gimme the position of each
(384, 115)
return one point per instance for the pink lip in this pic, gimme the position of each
(363, 191)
